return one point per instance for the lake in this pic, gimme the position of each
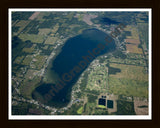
(75, 56)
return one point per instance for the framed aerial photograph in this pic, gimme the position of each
(80, 64)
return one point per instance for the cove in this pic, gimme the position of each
(78, 51)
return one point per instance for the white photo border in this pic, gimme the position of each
(80, 117)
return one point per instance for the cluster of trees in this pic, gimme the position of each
(23, 109)
(17, 46)
(119, 54)
(21, 15)
(91, 98)
(125, 108)
(112, 70)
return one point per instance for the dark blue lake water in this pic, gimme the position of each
(77, 53)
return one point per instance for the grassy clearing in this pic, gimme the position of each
(101, 106)
(133, 39)
(31, 74)
(137, 61)
(41, 15)
(44, 31)
(134, 32)
(131, 81)
(55, 29)
(28, 86)
(38, 62)
(80, 110)
(130, 72)
(27, 60)
(80, 17)
(133, 49)
(143, 32)
(32, 37)
(51, 40)
(28, 50)
(97, 79)
(128, 87)
(92, 109)
(22, 23)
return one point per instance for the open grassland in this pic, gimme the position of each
(133, 60)
(34, 15)
(31, 74)
(97, 79)
(44, 31)
(38, 62)
(133, 49)
(32, 37)
(51, 40)
(143, 32)
(74, 27)
(28, 86)
(22, 23)
(134, 32)
(130, 71)
(79, 17)
(70, 16)
(133, 40)
(28, 50)
(27, 60)
(128, 87)
(41, 15)
(55, 29)
(131, 81)
(140, 106)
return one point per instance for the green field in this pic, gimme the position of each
(27, 60)
(97, 79)
(80, 110)
(51, 40)
(38, 62)
(28, 86)
(32, 37)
